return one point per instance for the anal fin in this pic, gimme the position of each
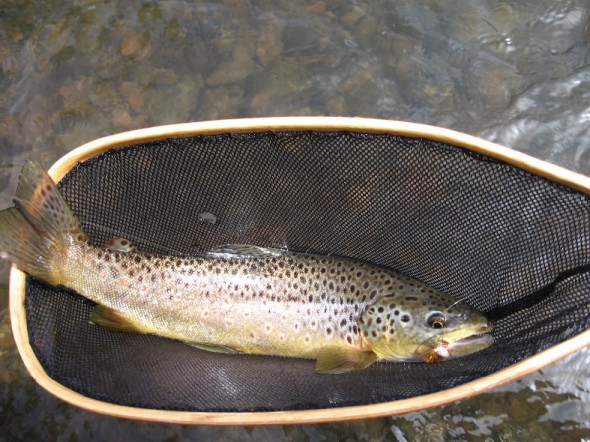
(336, 360)
(212, 347)
(112, 319)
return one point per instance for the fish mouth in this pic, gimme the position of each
(477, 341)
(480, 339)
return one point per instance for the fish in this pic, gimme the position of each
(343, 313)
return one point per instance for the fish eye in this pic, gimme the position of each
(436, 320)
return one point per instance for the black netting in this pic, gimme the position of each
(507, 242)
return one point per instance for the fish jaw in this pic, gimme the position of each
(477, 341)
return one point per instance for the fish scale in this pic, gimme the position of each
(346, 314)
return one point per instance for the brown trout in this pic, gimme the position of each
(240, 298)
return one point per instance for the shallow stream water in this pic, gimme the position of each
(519, 75)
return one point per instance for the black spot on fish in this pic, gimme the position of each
(343, 323)
(349, 339)
(378, 320)
(328, 331)
(373, 294)
(392, 305)
(411, 298)
(310, 298)
(380, 309)
(374, 333)
(355, 329)
(396, 313)
(366, 285)
(405, 318)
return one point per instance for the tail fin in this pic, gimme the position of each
(36, 233)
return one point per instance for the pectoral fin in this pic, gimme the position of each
(110, 318)
(337, 360)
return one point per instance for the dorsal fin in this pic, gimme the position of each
(243, 251)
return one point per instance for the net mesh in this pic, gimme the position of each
(505, 241)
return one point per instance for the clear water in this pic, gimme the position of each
(72, 71)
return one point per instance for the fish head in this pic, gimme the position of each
(423, 327)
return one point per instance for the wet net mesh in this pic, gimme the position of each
(505, 241)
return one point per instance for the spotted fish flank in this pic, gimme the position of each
(240, 298)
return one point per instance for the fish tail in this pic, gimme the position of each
(38, 232)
